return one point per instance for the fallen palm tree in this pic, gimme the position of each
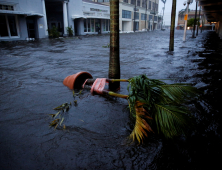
(153, 104)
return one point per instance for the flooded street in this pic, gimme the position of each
(32, 75)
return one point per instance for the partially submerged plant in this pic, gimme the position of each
(53, 32)
(69, 31)
(62, 109)
(106, 46)
(156, 104)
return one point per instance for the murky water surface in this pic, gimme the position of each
(31, 77)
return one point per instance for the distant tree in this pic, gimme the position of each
(190, 22)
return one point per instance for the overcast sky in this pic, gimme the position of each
(168, 7)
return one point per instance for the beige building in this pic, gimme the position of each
(191, 14)
(136, 15)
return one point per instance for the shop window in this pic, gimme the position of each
(107, 25)
(3, 26)
(7, 7)
(89, 25)
(8, 26)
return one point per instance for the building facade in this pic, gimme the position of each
(28, 19)
(137, 15)
(22, 19)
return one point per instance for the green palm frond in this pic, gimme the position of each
(171, 120)
(164, 102)
(141, 126)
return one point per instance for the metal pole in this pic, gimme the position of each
(185, 25)
(134, 25)
(163, 12)
(154, 14)
(146, 15)
(195, 20)
(198, 21)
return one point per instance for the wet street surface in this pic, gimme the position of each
(32, 75)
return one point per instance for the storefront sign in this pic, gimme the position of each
(98, 10)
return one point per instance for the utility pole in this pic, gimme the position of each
(185, 18)
(198, 21)
(202, 18)
(195, 21)
(172, 28)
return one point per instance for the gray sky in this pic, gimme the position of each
(168, 7)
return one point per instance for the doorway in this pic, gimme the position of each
(31, 27)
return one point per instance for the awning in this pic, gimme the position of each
(88, 16)
(20, 13)
(77, 16)
(97, 17)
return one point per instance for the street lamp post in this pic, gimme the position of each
(164, 1)
(150, 23)
(186, 17)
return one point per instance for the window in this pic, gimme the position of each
(149, 4)
(126, 14)
(153, 7)
(138, 3)
(8, 26)
(133, 2)
(137, 26)
(106, 25)
(150, 17)
(155, 18)
(156, 7)
(7, 7)
(125, 1)
(89, 25)
(136, 15)
(144, 3)
(143, 16)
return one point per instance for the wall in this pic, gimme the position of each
(74, 8)
(27, 6)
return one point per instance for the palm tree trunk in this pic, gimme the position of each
(172, 28)
(114, 63)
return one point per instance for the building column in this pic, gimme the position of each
(45, 18)
(65, 17)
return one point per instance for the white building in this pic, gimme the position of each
(20, 19)
(136, 15)
(24, 19)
